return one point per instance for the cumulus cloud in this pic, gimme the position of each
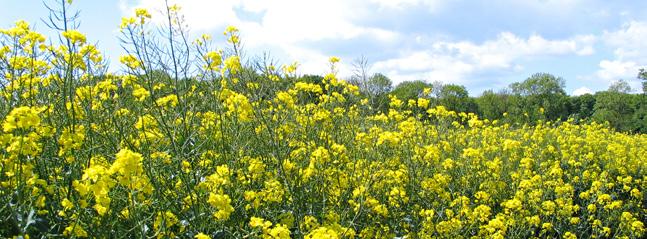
(282, 20)
(617, 69)
(283, 25)
(629, 54)
(552, 5)
(432, 5)
(629, 41)
(454, 61)
(582, 91)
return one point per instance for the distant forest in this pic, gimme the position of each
(539, 97)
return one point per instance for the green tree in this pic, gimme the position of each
(410, 90)
(639, 117)
(377, 89)
(542, 91)
(378, 84)
(539, 84)
(456, 98)
(374, 87)
(581, 106)
(642, 75)
(492, 105)
(616, 108)
(620, 86)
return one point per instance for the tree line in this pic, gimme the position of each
(540, 97)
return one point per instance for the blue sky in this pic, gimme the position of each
(480, 44)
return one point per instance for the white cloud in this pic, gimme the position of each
(425, 65)
(312, 61)
(284, 25)
(282, 21)
(615, 70)
(550, 6)
(432, 5)
(453, 61)
(629, 54)
(581, 91)
(629, 41)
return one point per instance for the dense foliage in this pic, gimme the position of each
(540, 97)
(190, 142)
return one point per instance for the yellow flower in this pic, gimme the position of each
(174, 8)
(214, 60)
(389, 138)
(233, 35)
(146, 122)
(258, 222)
(202, 236)
(71, 139)
(67, 204)
(280, 231)
(569, 235)
(482, 213)
(22, 118)
(292, 68)
(222, 203)
(549, 207)
(126, 163)
(140, 93)
(574, 220)
(638, 227)
(232, 64)
(512, 204)
(74, 36)
(142, 14)
(238, 105)
(75, 230)
(394, 102)
(129, 171)
(286, 99)
(423, 103)
(165, 220)
(169, 100)
(496, 225)
(130, 61)
(547, 226)
(126, 21)
(322, 233)
(307, 87)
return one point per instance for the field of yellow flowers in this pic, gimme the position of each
(188, 142)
